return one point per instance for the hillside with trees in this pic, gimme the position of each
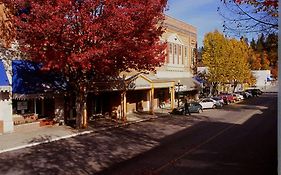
(264, 53)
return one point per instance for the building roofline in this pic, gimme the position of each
(181, 21)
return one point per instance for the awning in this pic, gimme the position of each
(142, 81)
(4, 81)
(3, 76)
(39, 96)
(29, 79)
(184, 84)
(200, 80)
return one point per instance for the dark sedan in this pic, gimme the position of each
(254, 92)
(194, 107)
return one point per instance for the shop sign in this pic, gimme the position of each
(21, 105)
(180, 88)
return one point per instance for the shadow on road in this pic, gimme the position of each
(250, 148)
(202, 148)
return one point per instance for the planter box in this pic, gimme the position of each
(45, 122)
(24, 119)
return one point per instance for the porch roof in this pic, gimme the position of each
(186, 84)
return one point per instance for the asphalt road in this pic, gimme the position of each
(240, 139)
(237, 139)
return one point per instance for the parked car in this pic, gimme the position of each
(245, 94)
(208, 103)
(238, 96)
(227, 98)
(248, 95)
(194, 107)
(218, 100)
(255, 92)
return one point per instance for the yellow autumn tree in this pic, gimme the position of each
(254, 60)
(213, 57)
(265, 63)
(238, 62)
(226, 59)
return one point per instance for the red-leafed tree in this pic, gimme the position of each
(7, 32)
(250, 16)
(90, 40)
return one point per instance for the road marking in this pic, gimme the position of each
(196, 147)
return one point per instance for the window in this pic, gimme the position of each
(179, 50)
(170, 48)
(192, 56)
(175, 51)
(185, 51)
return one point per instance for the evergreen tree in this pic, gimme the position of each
(264, 54)
(260, 44)
(253, 44)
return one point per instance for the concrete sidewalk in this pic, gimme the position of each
(34, 136)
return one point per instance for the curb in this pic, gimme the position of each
(74, 135)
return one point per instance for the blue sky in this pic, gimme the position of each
(199, 13)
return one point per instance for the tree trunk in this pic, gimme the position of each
(213, 89)
(234, 86)
(81, 108)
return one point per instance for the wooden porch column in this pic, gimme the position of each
(35, 107)
(85, 121)
(43, 107)
(84, 114)
(172, 91)
(151, 100)
(123, 106)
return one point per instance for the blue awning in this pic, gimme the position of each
(199, 79)
(4, 81)
(28, 78)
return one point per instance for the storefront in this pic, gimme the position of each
(36, 94)
(136, 92)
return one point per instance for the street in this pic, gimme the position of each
(243, 141)
(237, 139)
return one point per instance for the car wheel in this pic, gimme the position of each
(214, 106)
(200, 110)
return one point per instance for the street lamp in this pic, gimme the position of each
(178, 96)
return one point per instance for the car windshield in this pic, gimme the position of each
(194, 104)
